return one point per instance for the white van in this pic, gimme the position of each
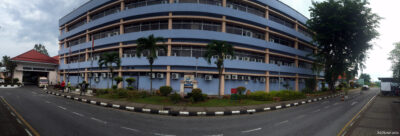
(43, 81)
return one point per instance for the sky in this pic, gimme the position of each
(24, 23)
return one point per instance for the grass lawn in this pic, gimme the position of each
(160, 100)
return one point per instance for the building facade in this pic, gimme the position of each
(270, 40)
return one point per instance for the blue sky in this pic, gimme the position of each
(26, 22)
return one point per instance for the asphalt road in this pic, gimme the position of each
(56, 116)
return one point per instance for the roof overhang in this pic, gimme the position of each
(35, 62)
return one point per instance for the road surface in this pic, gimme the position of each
(53, 115)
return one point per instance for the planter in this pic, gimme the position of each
(77, 90)
(16, 86)
(89, 91)
(2, 86)
(8, 85)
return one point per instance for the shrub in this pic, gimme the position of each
(310, 83)
(15, 80)
(175, 98)
(114, 87)
(307, 90)
(165, 90)
(196, 95)
(286, 95)
(260, 96)
(118, 79)
(143, 94)
(241, 90)
(130, 81)
(120, 93)
(248, 92)
(101, 91)
(129, 88)
(7, 80)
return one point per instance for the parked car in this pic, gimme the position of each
(365, 87)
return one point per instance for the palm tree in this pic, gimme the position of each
(149, 45)
(107, 60)
(219, 49)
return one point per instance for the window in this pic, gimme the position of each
(210, 2)
(280, 20)
(249, 56)
(106, 33)
(77, 41)
(142, 3)
(188, 51)
(282, 61)
(106, 12)
(146, 26)
(245, 8)
(280, 40)
(196, 25)
(77, 58)
(305, 32)
(305, 48)
(305, 65)
(244, 32)
(131, 52)
(76, 25)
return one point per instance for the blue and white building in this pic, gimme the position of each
(270, 40)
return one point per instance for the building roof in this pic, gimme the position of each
(387, 79)
(35, 56)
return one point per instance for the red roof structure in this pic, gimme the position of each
(35, 56)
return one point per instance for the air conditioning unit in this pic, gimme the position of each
(175, 76)
(246, 58)
(271, 40)
(253, 59)
(66, 75)
(260, 60)
(96, 79)
(234, 77)
(242, 77)
(228, 76)
(236, 57)
(110, 74)
(281, 79)
(262, 79)
(89, 74)
(82, 74)
(208, 77)
(96, 75)
(228, 57)
(160, 75)
(104, 75)
(125, 55)
(152, 75)
(272, 61)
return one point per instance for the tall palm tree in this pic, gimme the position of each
(107, 60)
(220, 49)
(149, 45)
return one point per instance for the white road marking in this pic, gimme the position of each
(19, 121)
(12, 114)
(76, 113)
(131, 129)
(317, 110)
(354, 103)
(29, 133)
(336, 103)
(98, 120)
(301, 116)
(326, 107)
(251, 130)
(215, 135)
(158, 134)
(280, 123)
(47, 102)
(62, 107)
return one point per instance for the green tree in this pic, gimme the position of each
(149, 45)
(343, 31)
(41, 48)
(118, 79)
(394, 56)
(107, 60)
(130, 81)
(10, 66)
(367, 78)
(220, 50)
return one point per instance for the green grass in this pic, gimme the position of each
(161, 100)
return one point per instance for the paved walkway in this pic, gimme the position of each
(382, 117)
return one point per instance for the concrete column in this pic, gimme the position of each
(316, 85)
(223, 3)
(121, 50)
(296, 44)
(171, 1)
(86, 75)
(169, 47)
(87, 17)
(267, 56)
(296, 61)
(120, 85)
(122, 5)
(267, 13)
(297, 83)
(267, 82)
(222, 87)
(296, 26)
(168, 76)
(65, 59)
(86, 54)
(170, 21)
(64, 77)
(121, 27)
(267, 34)
(223, 24)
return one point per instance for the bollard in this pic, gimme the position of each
(45, 87)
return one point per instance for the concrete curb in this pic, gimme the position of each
(192, 113)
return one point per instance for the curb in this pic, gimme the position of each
(192, 113)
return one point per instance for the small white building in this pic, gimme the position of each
(32, 64)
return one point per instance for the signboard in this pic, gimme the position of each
(233, 91)
(188, 81)
(360, 81)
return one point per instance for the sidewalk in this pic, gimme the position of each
(188, 110)
(382, 117)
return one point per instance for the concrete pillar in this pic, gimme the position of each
(65, 59)
(223, 24)
(267, 56)
(222, 86)
(168, 76)
(296, 44)
(169, 47)
(171, 1)
(86, 54)
(64, 77)
(296, 26)
(122, 5)
(170, 21)
(267, 34)
(267, 82)
(87, 17)
(267, 13)
(223, 3)
(121, 50)
(297, 83)
(120, 85)
(296, 61)
(86, 75)
(121, 27)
